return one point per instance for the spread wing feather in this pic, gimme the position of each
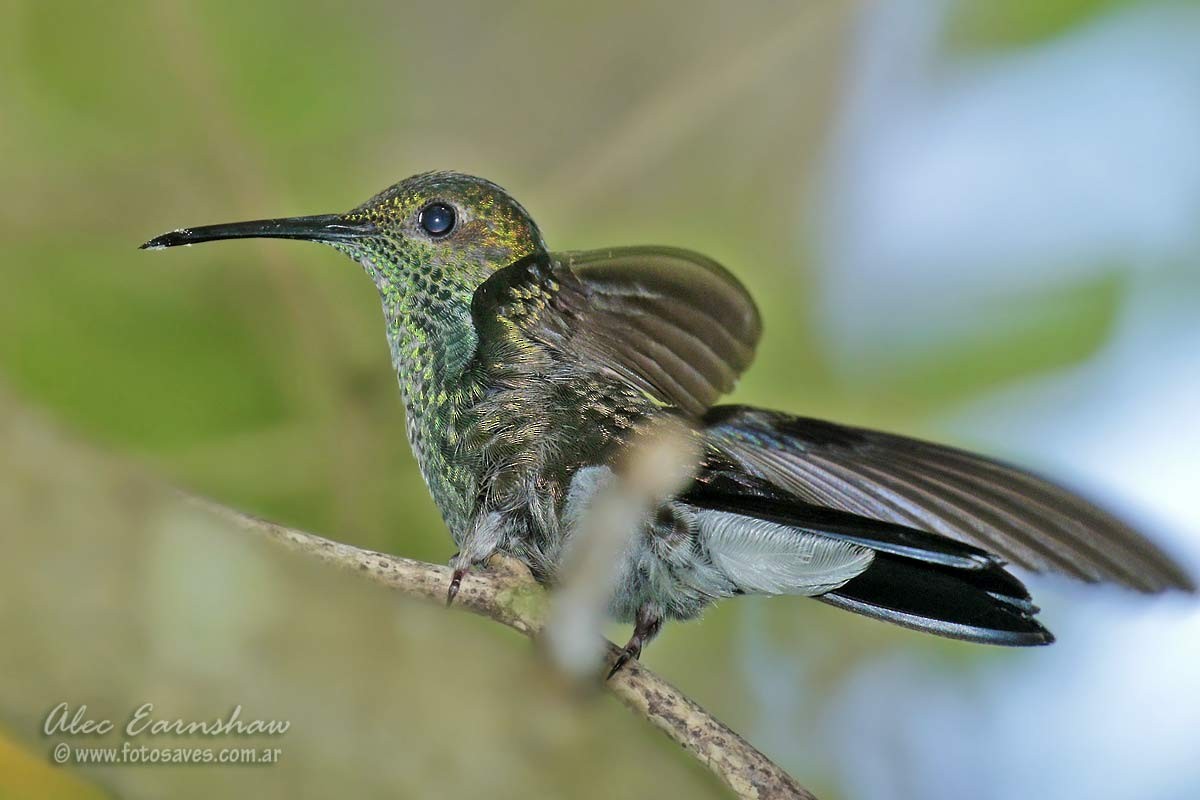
(770, 541)
(1020, 517)
(671, 322)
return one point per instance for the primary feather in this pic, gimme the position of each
(1022, 518)
(882, 569)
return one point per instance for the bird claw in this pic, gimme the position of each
(455, 583)
(631, 651)
(647, 625)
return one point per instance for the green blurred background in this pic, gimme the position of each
(256, 373)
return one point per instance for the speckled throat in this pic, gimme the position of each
(432, 342)
(426, 291)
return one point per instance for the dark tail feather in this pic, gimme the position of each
(1001, 509)
(916, 579)
(989, 606)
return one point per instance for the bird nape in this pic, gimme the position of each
(526, 374)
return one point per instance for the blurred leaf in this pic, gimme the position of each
(999, 24)
(26, 776)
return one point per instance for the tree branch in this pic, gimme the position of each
(507, 593)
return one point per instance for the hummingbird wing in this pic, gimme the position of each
(766, 540)
(671, 322)
(1020, 517)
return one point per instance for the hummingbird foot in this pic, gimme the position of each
(478, 544)
(455, 583)
(462, 563)
(631, 651)
(649, 623)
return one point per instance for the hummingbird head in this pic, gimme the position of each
(442, 229)
(437, 235)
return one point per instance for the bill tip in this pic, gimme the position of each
(163, 241)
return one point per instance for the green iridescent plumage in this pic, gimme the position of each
(426, 287)
(525, 373)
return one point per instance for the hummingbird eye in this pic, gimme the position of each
(437, 219)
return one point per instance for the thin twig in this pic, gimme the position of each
(508, 594)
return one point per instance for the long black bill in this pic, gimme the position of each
(319, 228)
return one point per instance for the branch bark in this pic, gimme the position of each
(507, 593)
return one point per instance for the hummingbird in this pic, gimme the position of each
(527, 373)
